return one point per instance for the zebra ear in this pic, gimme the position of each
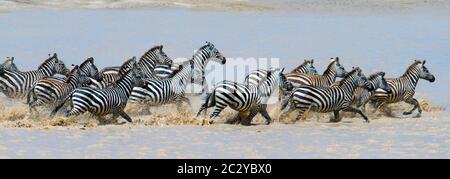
(382, 74)
(312, 61)
(55, 55)
(161, 47)
(423, 63)
(282, 70)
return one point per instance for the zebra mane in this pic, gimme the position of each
(127, 66)
(411, 67)
(55, 56)
(150, 51)
(333, 61)
(305, 62)
(89, 60)
(355, 70)
(375, 75)
(74, 70)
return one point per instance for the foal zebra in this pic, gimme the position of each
(201, 57)
(403, 88)
(334, 69)
(17, 84)
(158, 92)
(361, 96)
(101, 102)
(9, 64)
(249, 100)
(327, 99)
(49, 91)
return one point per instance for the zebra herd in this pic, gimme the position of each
(154, 80)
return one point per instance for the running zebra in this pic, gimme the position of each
(327, 99)
(361, 96)
(102, 102)
(404, 87)
(49, 91)
(249, 100)
(17, 84)
(201, 57)
(9, 64)
(334, 69)
(159, 92)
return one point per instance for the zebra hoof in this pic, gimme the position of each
(407, 113)
(267, 123)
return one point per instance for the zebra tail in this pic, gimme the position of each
(60, 105)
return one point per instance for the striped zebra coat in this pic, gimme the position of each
(362, 95)
(404, 87)
(201, 57)
(249, 100)
(334, 69)
(51, 92)
(16, 84)
(327, 99)
(102, 102)
(9, 64)
(159, 92)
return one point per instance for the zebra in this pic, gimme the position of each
(17, 84)
(327, 99)
(361, 96)
(403, 88)
(49, 91)
(159, 92)
(109, 79)
(256, 76)
(334, 69)
(154, 56)
(9, 64)
(246, 99)
(101, 102)
(202, 56)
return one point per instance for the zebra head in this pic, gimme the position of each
(423, 71)
(9, 64)
(54, 66)
(356, 78)
(138, 75)
(162, 57)
(338, 68)
(377, 81)
(281, 79)
(78, 76)
(214, 54)
(306, 67)
(128, 65)
(89, 69)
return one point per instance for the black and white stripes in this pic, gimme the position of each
(17, 84)
(404, 87)
(101, 102)
(327, 99)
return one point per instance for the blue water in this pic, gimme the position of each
(374, 42)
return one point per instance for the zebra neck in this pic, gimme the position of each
(267, 87)
(412, 76)
(349, 85)
(330, 75)
(73, 82)
(125, 84)
(46, 71)
(201, 60)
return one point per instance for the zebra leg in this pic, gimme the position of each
(125, 115)
(265, 114)
(336, 116)
(416, 104)
(206, 105)
(355, 110)
(248, 121)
